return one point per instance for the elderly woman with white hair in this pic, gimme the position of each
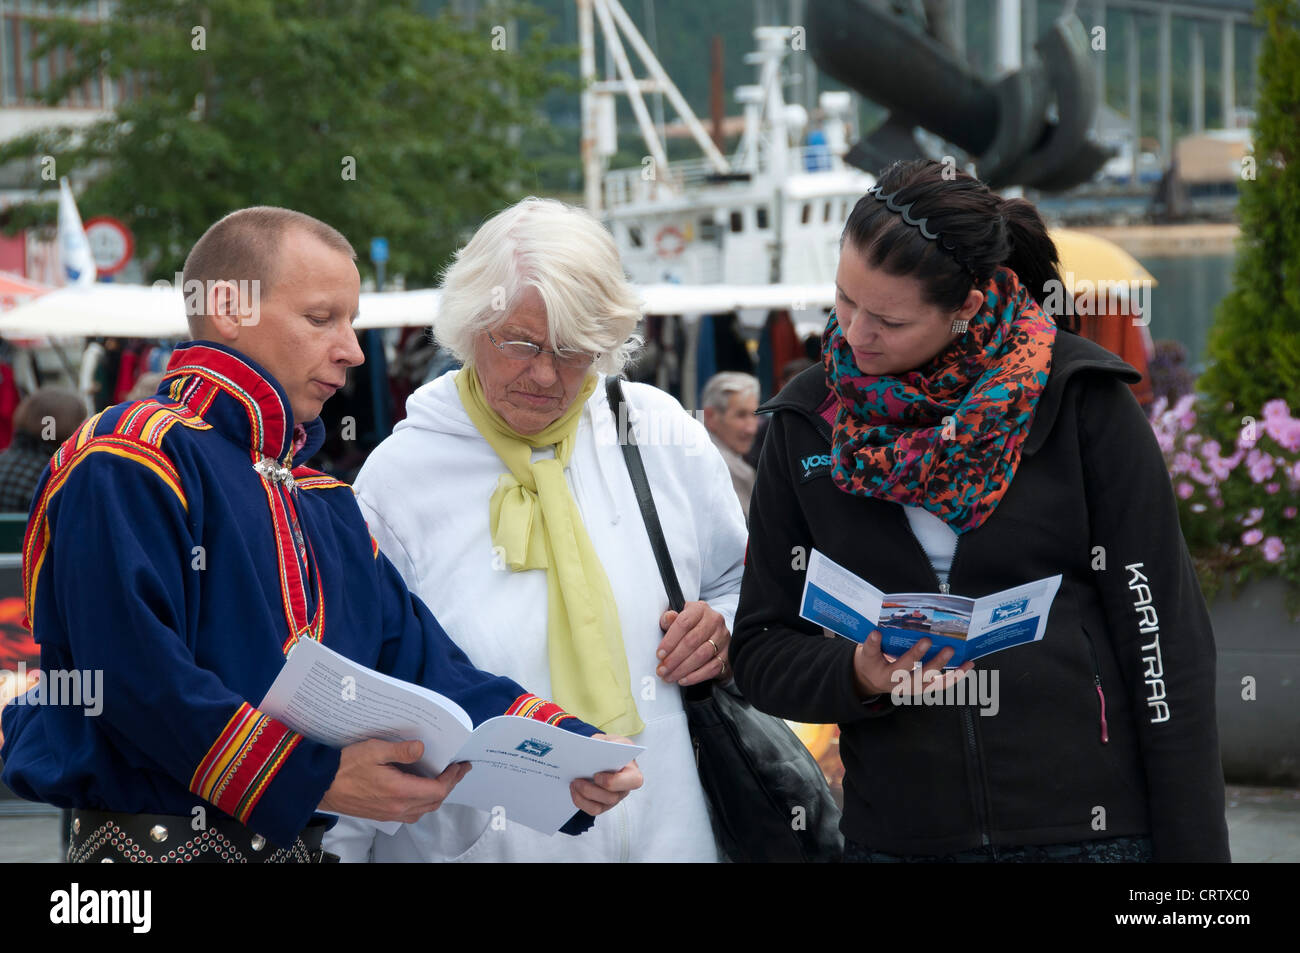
(504, 500)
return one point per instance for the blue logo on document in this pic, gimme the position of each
(538, 749)
(1009, 610)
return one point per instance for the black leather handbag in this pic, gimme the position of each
(768, 799)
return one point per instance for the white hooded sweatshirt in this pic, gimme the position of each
(424, 492)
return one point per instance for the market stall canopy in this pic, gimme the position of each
(16, 291)
(142, 311)
(1086, 257)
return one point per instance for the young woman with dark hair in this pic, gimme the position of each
(958, 439)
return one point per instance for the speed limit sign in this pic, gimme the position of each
(111, 244)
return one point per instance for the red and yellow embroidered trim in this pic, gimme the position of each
(149, 420)
(294, 591)
(538, 709)
(316, 481)
(267, 417)
(37, 539)
(243, 760)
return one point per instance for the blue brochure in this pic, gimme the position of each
(847, 605)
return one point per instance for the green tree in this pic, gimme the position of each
(1255, 341)
(368, 114)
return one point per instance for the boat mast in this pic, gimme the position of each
(591, 163)
(616, 25)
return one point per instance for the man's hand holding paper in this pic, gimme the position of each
(370, 784)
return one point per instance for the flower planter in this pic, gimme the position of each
(1259, 739)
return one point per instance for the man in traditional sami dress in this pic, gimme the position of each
(178, 548)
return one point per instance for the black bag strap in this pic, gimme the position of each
(644, 498)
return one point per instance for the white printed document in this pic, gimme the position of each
(850, 606)
(519, 764)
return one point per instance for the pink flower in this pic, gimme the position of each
(1252, 536)
(1184, 412)
(1261, 465)
(1272, 488)
(1273, 549)
(1185, 489)
(1290, 512)
(1285, 430)
(1254, 516)
(1219, 466)
(1197, 473)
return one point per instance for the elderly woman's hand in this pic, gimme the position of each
(602, 791)
(694, 646)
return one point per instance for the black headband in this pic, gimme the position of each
(906, 212)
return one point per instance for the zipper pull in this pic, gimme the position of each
(1105, 735)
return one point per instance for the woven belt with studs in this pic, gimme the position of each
(110, 837)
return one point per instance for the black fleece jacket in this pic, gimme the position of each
(1128, 636)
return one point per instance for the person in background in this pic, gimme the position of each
(42, 421)
(145, 385)
(788, 372)
(729, 401)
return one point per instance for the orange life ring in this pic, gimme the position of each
(669, 242)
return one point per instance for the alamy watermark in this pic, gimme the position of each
(659, 428)
(75, 687)
(978, 687)
(1105, 297)
(75, 905)
(245, 295)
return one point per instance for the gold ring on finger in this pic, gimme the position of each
(715, 647)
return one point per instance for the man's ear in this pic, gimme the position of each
(223, 309)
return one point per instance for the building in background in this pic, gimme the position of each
(23, 77)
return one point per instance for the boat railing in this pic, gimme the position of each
(649, 182)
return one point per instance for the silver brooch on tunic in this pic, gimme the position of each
(272, 471)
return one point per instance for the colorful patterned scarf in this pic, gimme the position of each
(946, 436)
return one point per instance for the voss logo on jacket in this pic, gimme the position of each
(816, 465)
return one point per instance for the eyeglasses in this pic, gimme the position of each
(527, 350)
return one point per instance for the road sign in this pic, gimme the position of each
(378, 250)
(111, 244)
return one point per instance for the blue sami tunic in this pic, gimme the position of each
(158, 554)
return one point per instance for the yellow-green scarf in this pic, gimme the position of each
(536, 522)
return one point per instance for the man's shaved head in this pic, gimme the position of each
(245, 247)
